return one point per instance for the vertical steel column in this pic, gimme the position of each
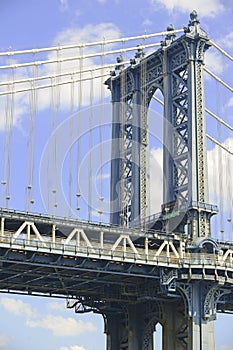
(188, 323)
(129, 193)
(185, 166)
(201, 304)
(175, 329)
(190, 333)
(114, 331)
(136, 329)
(133, 329)
(115, 207)
(197, 43)
(142, 322)
(201, 331)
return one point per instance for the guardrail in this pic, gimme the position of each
(210, 261)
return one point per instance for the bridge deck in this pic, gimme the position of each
(52, 256)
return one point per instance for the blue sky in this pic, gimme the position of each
(39, 323)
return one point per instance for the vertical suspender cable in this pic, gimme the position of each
(6, 148)
(10, 136)
(229, 176)
(101, 197)
(79, 130)
(56, 130)
(214, 184)
(31, 139)
(29, 149)
(90, 177)
(71, 146)
(51, 148)
(228, 168)
(220, 173)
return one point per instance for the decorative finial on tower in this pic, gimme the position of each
(194, 25)
(169, 37)
(171, 28)
(193, 18)
(138, 55)
(119, 66)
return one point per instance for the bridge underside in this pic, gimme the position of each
(129, 296)
(60, 275)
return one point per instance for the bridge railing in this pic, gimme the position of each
(119, 254)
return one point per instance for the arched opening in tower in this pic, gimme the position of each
(155, 136)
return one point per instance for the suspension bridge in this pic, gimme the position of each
(116, 183)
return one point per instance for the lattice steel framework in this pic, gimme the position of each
(177, 70)
(129, 142)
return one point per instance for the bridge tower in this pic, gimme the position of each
(176, 69)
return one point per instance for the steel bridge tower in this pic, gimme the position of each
(176, 69)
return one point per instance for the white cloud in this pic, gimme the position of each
(230, 102)
(55, 305)
(81, 91)
(219, 162)
(223, 347)
(17, 307)
(147, 23)
(61, 326)
(220, 172)
(214, 62)
(60, 96)
(12, 107)
(74, 347)
(88, 33)
(227, 41)
(4, 341)
(208, 8)
(103, 176)
(58, 325)
(64, 5)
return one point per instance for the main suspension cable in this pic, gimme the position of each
(95, 43)
(75, 58)
(220, 120)
(219, 144)
(56, 75)
(226, 54)
(218, 79)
